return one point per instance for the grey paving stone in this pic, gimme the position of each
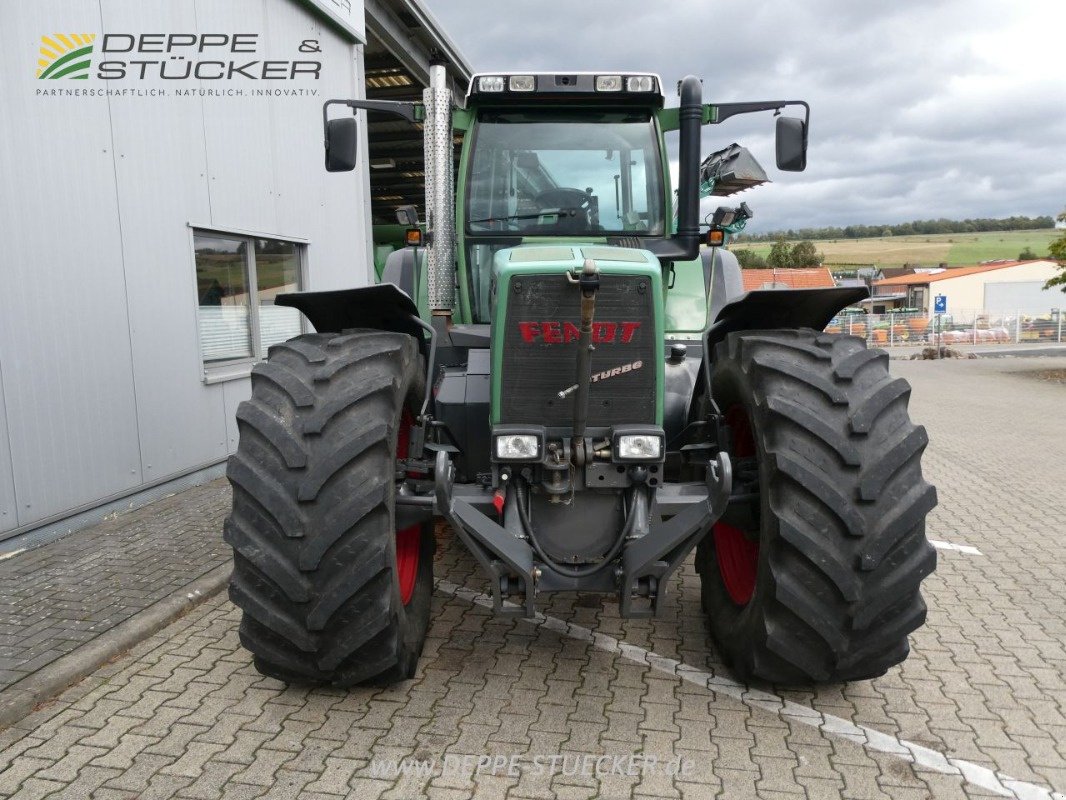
(185, 715)
(56, 597)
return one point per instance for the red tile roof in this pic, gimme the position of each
(950, 272)
(814, 278)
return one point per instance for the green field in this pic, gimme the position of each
(956, 249)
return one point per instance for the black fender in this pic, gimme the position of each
(383, 307)
(767, 309)
(721, 278)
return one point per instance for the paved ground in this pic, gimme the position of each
(1000, 350)
(978, 710)
(59, 596)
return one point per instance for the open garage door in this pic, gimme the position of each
(402, 39)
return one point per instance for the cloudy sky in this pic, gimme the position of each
(938, 108)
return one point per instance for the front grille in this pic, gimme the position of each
(540, 351)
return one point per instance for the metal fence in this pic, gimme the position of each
(957, 327)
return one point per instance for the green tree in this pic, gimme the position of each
(1057, 250)
(780, 255)
(748, 258)
(1027, 254)
(804, 254)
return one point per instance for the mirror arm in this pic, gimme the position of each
(412, 112)
(722, 112)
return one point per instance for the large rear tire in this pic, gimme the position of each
(331, 591)
(818, 579)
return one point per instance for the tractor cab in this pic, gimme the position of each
(557, 157)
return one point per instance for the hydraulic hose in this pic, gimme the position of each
(572, 572)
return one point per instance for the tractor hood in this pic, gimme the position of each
(572, 257)
(536, 319)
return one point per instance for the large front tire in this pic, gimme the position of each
(331, 591)
(818, 580)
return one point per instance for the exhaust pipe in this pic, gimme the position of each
(440, 192)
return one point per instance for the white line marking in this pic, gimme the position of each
(962, 548)
(12, 554)
(971, 773)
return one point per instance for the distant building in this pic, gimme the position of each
(813, 278)
(1001, 286)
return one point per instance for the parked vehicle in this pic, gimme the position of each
(586, 397)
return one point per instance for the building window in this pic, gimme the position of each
(237, 279)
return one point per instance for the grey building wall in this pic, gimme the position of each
(101, 380)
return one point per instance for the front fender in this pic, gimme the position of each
(765, 309)
(383, 307)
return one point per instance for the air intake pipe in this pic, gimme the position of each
(684, 245)
(690, 117)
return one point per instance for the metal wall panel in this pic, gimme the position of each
(99, 346)
(233, 392)
(334, 208)
(8, 513)
(64, 333)
(161, 171)
(238, 131)
(265, 153)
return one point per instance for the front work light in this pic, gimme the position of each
(608, 83)
(490, 83)
(639, 447)
(640, 83)
(522, 83)
(517, 447)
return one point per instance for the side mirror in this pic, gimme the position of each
(342, 135)
(407, 215)
(791, 144)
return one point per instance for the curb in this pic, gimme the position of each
(21, 698)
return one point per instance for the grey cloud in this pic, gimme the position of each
(920, 108)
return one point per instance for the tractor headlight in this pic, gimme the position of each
(608, 83)
(522, 83)
(643, 446)
(518, 447)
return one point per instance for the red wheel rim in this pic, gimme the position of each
(738, 557)
(409, 539)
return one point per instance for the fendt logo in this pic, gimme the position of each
(552, 332)
(65, 55)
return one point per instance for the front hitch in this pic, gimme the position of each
(680, 513)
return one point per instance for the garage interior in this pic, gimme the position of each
(402, 40)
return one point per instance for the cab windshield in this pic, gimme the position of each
(565, 173)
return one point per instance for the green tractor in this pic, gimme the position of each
(566, 369)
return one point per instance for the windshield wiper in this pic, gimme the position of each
(514, 217)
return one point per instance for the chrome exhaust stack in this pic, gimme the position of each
(440, 192)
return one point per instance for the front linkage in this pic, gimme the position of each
(663, 527)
